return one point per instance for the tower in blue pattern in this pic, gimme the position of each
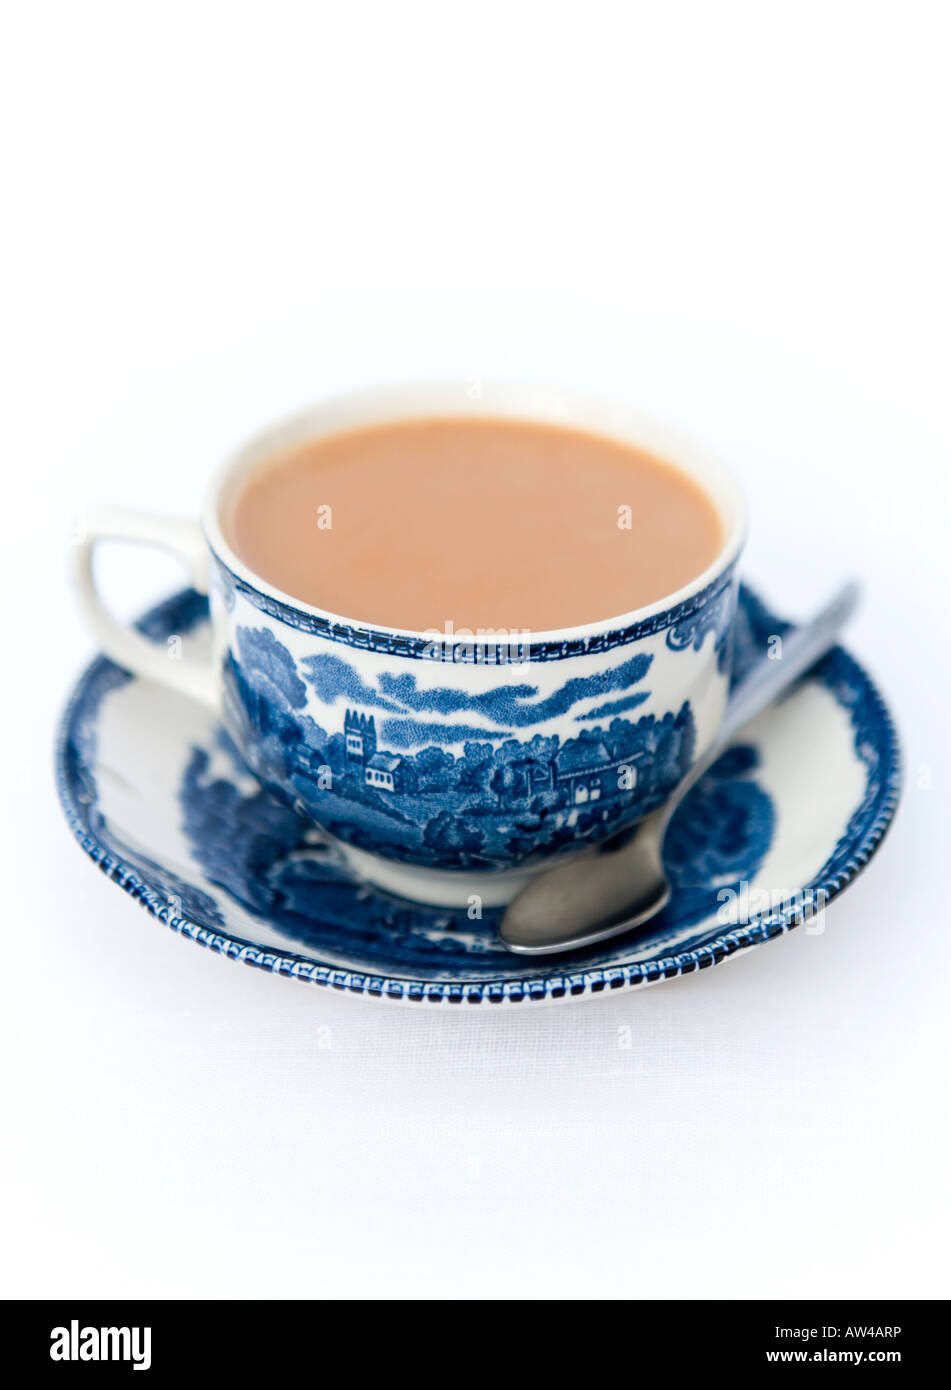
(360, 734)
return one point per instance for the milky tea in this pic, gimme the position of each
(480, 524)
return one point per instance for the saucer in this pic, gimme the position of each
(157, 796)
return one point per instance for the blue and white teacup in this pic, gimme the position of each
(446, 764)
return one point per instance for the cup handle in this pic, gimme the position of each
(153, 660)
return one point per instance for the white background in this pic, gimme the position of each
(735, 216)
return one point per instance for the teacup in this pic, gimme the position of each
(579, 732)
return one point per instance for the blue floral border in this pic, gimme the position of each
(477, 651)
(873, 730)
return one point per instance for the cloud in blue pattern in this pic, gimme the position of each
(508, 706)
(410, 733)
(611, 707)
(332, 677)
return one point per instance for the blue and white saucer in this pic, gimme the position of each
(156, 795)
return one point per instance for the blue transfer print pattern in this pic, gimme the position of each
(719, 590)
(720, 836)
(394, 781)
(715, 617)
(256, 853)
(269, 859)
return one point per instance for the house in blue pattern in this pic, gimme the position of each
(385, 771)
(586, 771)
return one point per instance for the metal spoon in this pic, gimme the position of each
(599, 894)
